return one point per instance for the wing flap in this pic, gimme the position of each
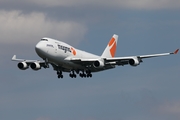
(82, 61)
(119, 60)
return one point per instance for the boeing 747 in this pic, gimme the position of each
(65, 58)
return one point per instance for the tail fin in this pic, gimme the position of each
(110, 50)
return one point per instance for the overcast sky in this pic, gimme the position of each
(146, 92)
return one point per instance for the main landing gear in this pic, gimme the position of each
(82, 74)
(72, 74)
(59, 73)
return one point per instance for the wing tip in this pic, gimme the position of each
(176, 51)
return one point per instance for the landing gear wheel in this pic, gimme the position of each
(72, 75)
(81, 75)
(88, 74)
(60, 76)
(59, 73)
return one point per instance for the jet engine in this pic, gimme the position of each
(35, 66)
(134, 62)
(23, 65)
(98, 64)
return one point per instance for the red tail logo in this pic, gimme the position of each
(112, 45)
(73, 51)
(175, 52)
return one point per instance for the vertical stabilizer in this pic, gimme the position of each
(110, 50)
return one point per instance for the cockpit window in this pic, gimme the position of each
(43, 39)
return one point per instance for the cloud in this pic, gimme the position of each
(17, 27)
(170, 108)
(149, 4)
(127, 4)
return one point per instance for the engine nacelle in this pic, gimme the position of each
(134, 62)
(35, 66)
(23, 65)
(98, 64)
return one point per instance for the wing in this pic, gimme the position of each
(132, 60)
(28, 62)
(24, 60)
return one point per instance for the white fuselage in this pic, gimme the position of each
(60, 53)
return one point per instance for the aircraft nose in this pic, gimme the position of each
(38, 47)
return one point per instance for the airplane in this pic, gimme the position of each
(65, 58)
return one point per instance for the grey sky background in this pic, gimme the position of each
(146, 92)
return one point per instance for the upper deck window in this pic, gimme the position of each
(43, 39)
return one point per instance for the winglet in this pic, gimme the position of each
(176, 51)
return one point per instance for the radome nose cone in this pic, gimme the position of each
(38, 47)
